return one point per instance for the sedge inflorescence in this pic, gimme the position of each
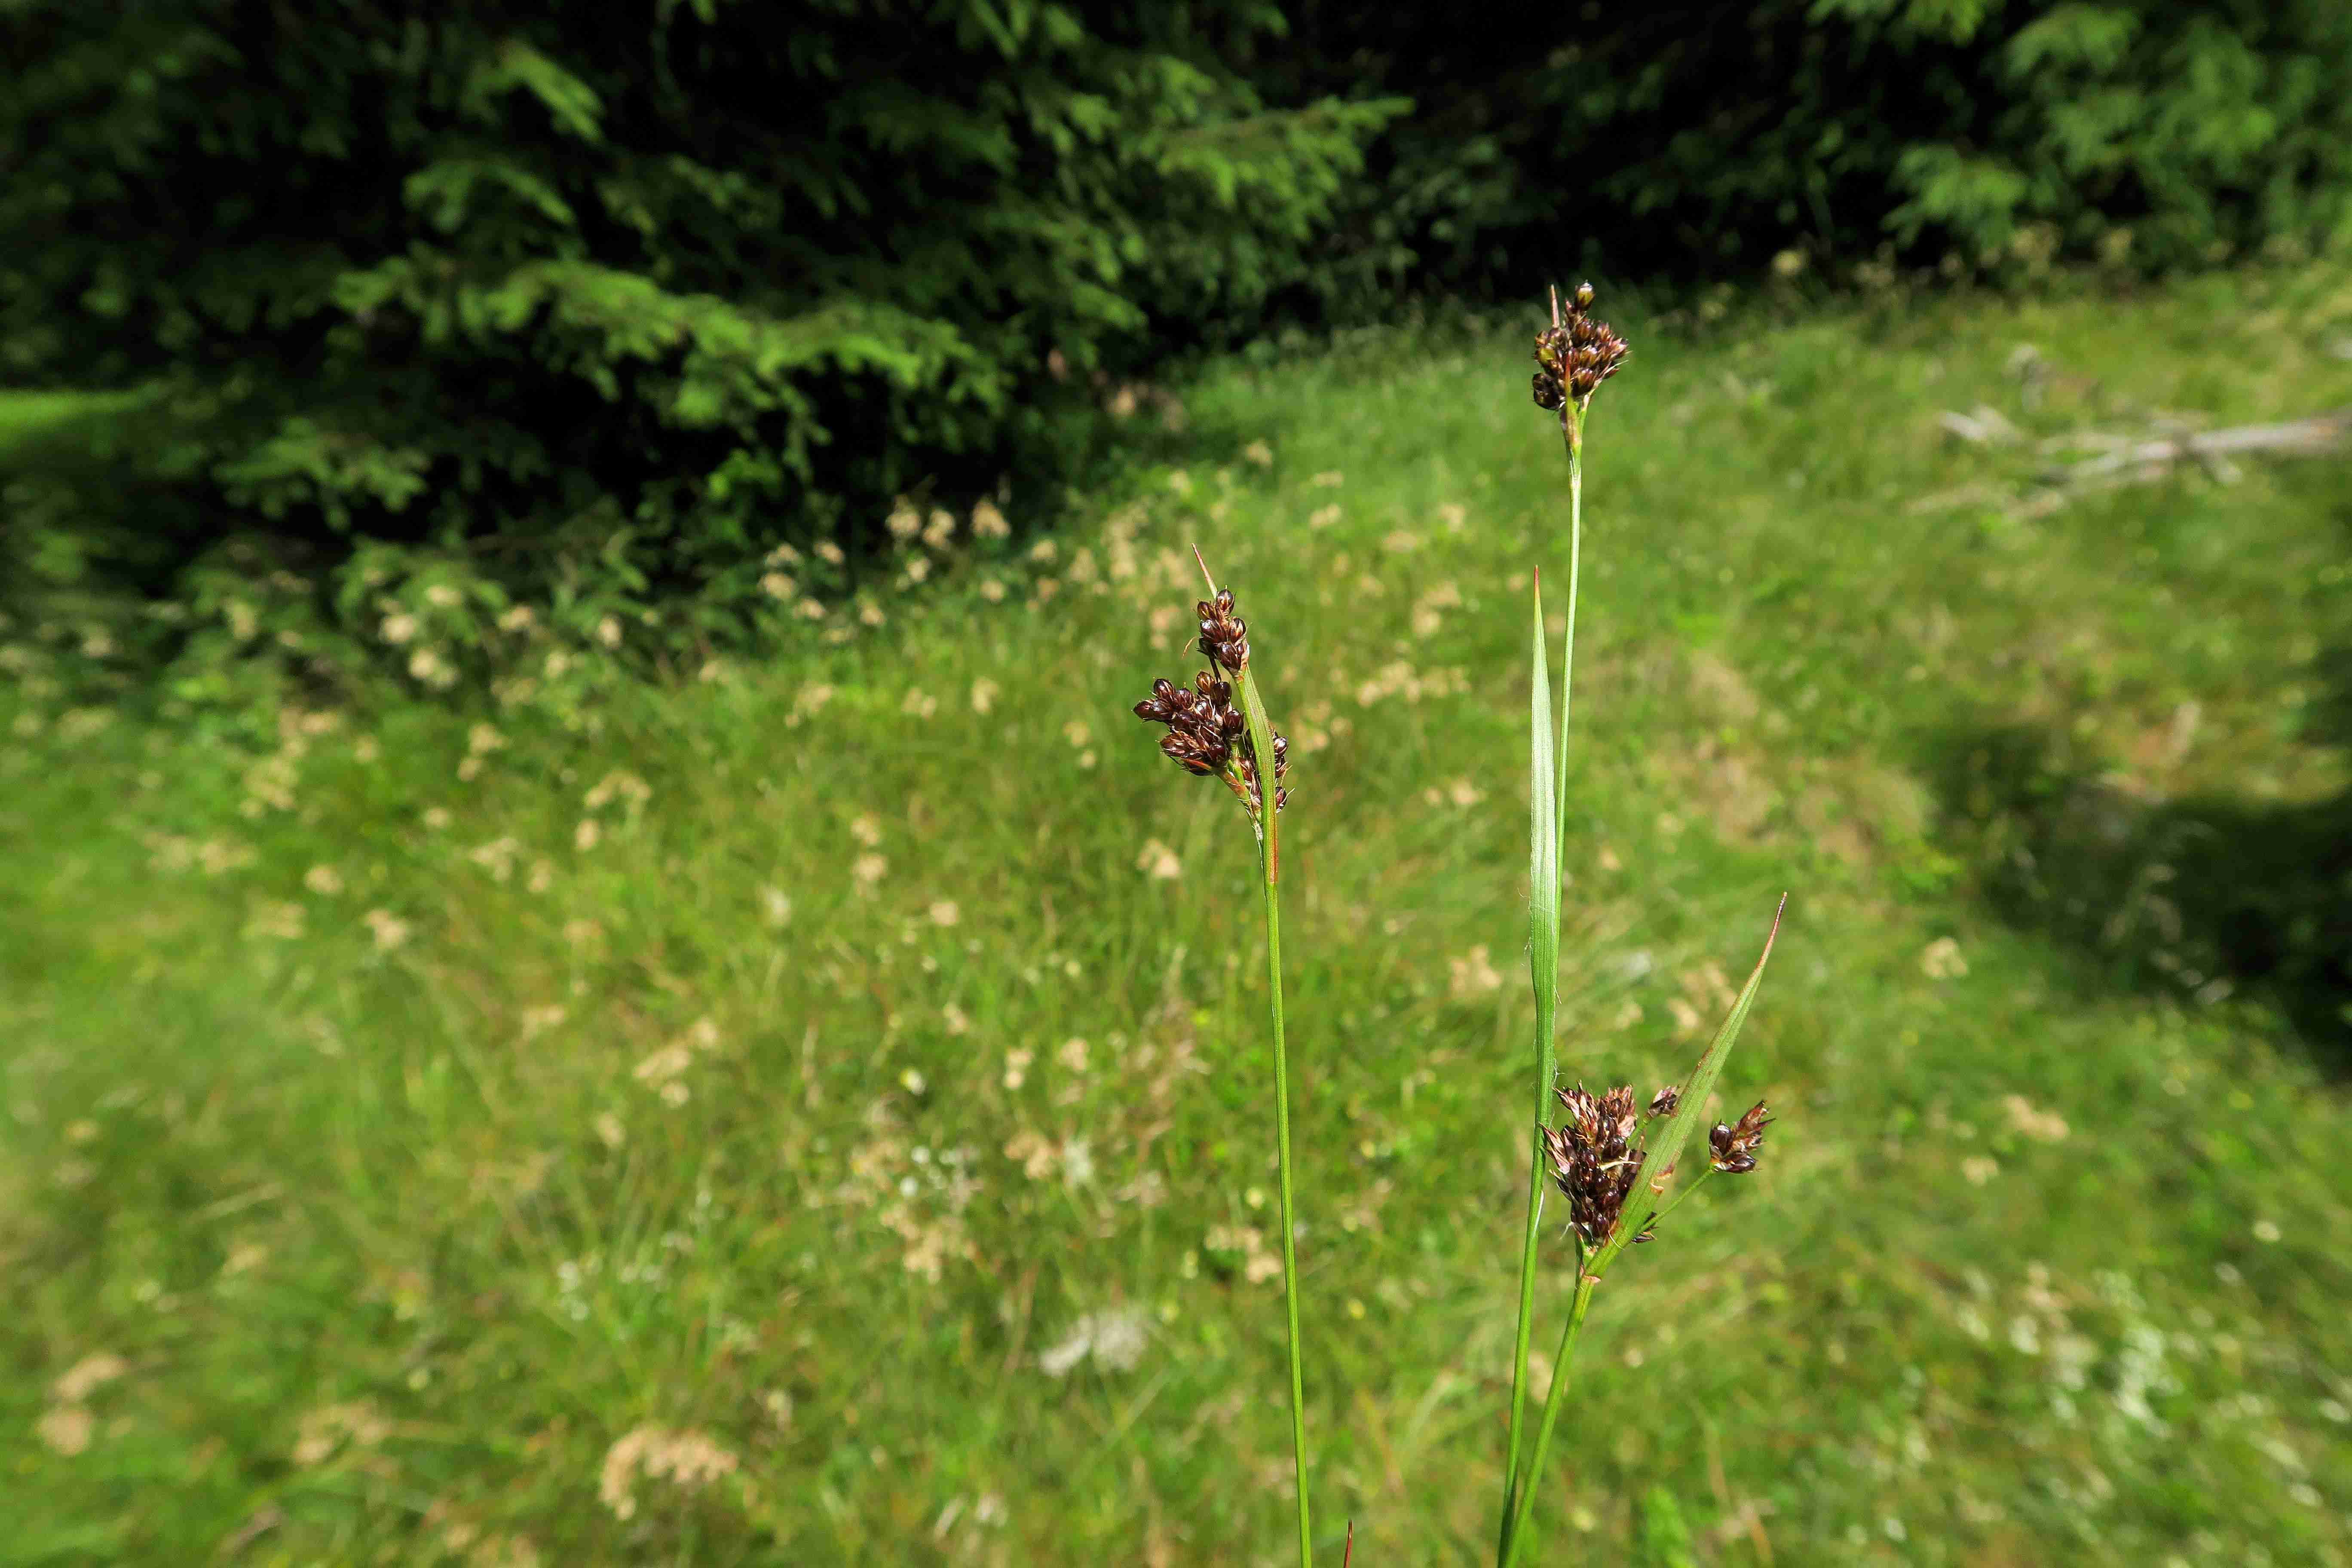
(1575, 354)
(1599, 1147)
(1207, 735)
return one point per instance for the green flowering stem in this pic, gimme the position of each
(1289, 1224)
(1547, 808)
(1261, 735)
(1571, 430)
(1553, 1400)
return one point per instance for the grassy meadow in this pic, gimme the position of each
(813, 1114)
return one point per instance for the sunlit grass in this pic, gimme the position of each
(801, 1122)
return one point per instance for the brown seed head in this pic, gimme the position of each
(1735, 1146)
(1207, 735)
(1574, 354)
(1662, 1103)
(1596, 1160)
(1202, 722)
(1225, 637)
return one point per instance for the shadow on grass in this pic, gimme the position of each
(2194, 898)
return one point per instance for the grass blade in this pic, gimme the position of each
(1543, 965)
(1666, 1148)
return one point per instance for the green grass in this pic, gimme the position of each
(396, 1241)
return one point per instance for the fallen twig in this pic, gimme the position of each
(2126, 460)
(2319, 434)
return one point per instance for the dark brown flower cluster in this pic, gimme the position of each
(1208, 735)
(1203, 725)
(1596, 1158)
(1597, 1153)
(1575, 354)
(1735, 1146)
(1225, 637)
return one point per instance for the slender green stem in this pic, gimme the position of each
(1547, 1063)
(1552, 1402)
(1572, 431)
(1290, 1226)
(1269, 860)
(1543, 965)
(1526, 1314)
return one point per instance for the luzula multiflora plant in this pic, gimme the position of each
(1612, 1162)
(1210, 736)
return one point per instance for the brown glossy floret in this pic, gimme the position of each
(1574, 354)
(1734, 1147)
(1596, 1160)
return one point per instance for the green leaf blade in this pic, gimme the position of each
(1666, 1148)
(1543, 842)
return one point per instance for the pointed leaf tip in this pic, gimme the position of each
(1206, 572)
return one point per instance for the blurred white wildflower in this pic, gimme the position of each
(1116, 1342)
(65, 1429)
(688, 1461)
(1474, 974)
(90, 1372)
(323, 1431)
(1159, 861)
(2026, 1118)
(272, 919)
(390, 930)
(618, 785)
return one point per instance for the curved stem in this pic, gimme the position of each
(1572, 431)
(1282, 1158)
(1572, 435)
(1552, 1402)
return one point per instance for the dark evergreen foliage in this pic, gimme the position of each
(629, 296)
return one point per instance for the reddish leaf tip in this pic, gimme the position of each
(1206, 572)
